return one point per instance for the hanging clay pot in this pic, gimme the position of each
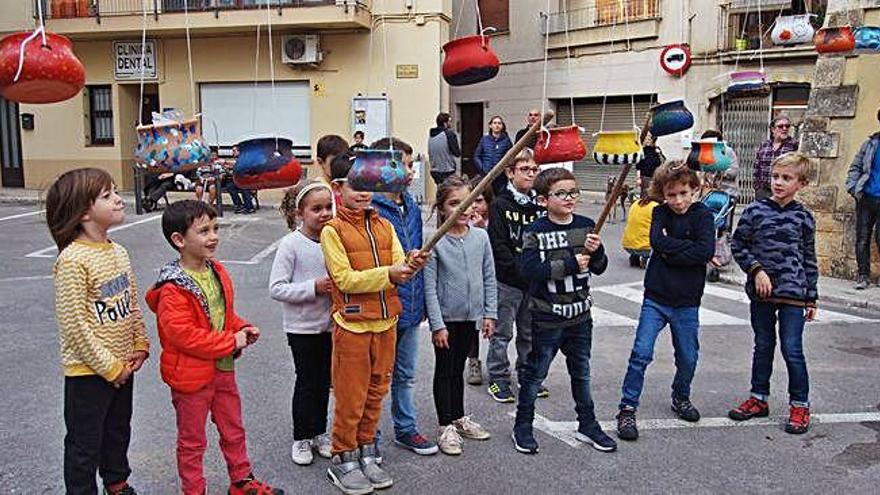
(50, 73)
(378, 171)
(174, 147)
(560, 144)
(792, 30)
(669, 118)
(747, 81)
(709, 156)
(266, 163)
(834, 40)
(867, 39)
(469, 60)
(617, 147)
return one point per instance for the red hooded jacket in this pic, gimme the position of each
(190, 346)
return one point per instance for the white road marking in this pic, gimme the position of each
(707, 316)
(605, 318)
(26, 279)
(21, 215)
(47, 252)
(824, 315)
(257, 258)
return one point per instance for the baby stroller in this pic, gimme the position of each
(722, 205)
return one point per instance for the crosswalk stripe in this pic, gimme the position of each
(708, 317)
(605, 318)
(824, 315)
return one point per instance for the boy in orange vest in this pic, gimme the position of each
(366, 262)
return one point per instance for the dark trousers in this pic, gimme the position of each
(311, 389)
(765, 317)
(575, 342)
(439, 177)
(867, 213)
(98, 420)
(448, 369)
(241, 198)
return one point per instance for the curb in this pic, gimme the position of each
(19, 201)
(729, 279)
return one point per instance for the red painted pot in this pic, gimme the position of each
(266, 163)
(834, 39)
(51, 72)
(469, 60)
(560, 144)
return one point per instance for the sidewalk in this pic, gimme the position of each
(833, 290)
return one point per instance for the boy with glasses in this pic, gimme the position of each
(780, 143)
(513, 210)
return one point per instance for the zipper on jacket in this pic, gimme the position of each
(374, 249)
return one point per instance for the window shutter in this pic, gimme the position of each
(496, 13)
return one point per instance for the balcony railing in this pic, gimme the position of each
(62, 9)
(604, 13)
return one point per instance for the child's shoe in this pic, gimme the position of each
(751, 408)
(685, 410)
(345, 472)
(469, 428)
(474, 372)
(501, 392)
(121, 488)
(322, 445)
(449, 440)
(417, 443)
(597, 438)
(543, 392)
(377, 476)
(626, 424)
(798, 420)
(301, 452)
(524, 440)
(250, 486)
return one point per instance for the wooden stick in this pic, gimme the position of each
(497, 170)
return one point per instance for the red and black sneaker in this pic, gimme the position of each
(121, 488)
(250, 486)
(751, 408)
(798, 420)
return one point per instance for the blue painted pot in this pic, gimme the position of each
(709, 156)
(669, 118)
(266, 163)
(378, 171)
(868, 39)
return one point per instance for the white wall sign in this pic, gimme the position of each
(127, 60)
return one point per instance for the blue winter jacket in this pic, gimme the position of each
(409, 231)
(490, 150)
(860, 168)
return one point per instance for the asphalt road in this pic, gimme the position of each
(842, 450)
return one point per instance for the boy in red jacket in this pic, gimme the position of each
(201, 335)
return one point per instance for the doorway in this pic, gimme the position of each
(150, 103)
(12, 172)
(470, 128)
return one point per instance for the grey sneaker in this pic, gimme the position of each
(862, 284)
(474, 372)
(322, 444)
(345, 472)
(375, 474)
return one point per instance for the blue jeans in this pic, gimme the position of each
(241, 198)
(791, 331)
(513, 308)
(575, 343)
(403, 412)
(684, 324)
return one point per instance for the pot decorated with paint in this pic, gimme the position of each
(669, 118)
(617, 147)
(792, 30)
(266, 163)
(709, 156)
(378, 171)
(172, 147)
(560, 144)
(834, 39)
(746, 80)
(867, 39)
(47, 72)
(469, 60)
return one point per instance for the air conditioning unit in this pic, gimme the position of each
(301, 49)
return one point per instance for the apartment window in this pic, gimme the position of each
(616, 11)
(749, 28)
(496, 14)
(100, 114)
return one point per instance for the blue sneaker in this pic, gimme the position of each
(501, 392)
(416, 443)
(524, 440)
(597, 438)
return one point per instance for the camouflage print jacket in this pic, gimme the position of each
(781, 241)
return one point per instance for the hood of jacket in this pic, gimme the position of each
(173, 273)
(436, 130)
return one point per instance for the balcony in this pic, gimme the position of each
(84, 19)
(748, 31)
(605, 21)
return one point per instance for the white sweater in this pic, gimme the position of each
(298, 262)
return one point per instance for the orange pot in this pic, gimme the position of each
(834, 40)
(560, 144)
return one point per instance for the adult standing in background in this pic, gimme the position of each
(779, 144)
(652, 157)
(491, 149)
(443, 149)
(532, 118)
(863, 184)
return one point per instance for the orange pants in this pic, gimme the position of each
(362, 366)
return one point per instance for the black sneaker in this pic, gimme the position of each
(626, 424)
(524, 440)
(597, 438)
(862, 284)
(685, 410)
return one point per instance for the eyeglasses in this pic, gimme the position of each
(562, 194)
(527, 170)
(783, 126)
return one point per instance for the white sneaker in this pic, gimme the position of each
(469, 428)
(449, 440)
(322, 445)
(301, 452)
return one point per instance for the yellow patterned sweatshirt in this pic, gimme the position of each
(96, 304)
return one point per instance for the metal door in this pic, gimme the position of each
(744, 123)
(10, 145)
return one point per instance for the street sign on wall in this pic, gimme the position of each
(127, 60)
